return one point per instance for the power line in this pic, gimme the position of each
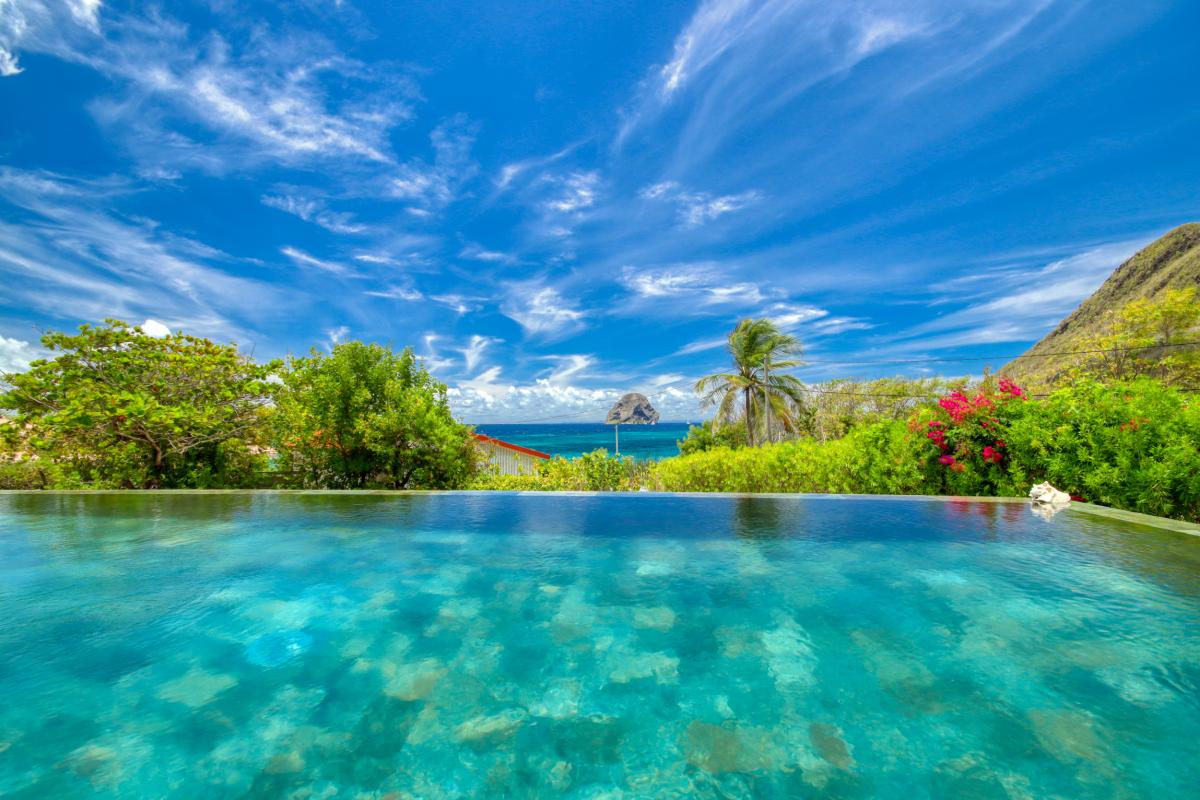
(896, 395)
(807, 362)
(543, 419)
(900, 395)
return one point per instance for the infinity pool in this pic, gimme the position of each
(465, 645)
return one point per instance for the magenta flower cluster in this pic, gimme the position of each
(964, 412)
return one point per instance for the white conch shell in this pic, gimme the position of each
(1045, 493)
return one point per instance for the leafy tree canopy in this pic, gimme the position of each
(136, 409)
(705, 436)
(757, 391)
(365, 416)
(1151, 337)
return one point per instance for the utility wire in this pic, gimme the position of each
(901, 395)
(807, 362)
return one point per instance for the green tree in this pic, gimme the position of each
(1151, 337)
(365, 416)
(703, 437)
(757, 391)
(840, 405)
(124, 408)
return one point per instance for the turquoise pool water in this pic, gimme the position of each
(436, 646)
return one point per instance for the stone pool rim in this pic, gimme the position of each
(1132, 517)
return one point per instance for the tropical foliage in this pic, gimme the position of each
(882, 458)
(838, 406)
(117, 407)
(1133, 445)
(596, 471)
(967, 433)
(757, 391)
(707, 436)
(364, 416)
(1154, 338)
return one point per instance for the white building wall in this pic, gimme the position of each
(509, 462)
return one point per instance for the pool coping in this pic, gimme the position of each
(1133, 517)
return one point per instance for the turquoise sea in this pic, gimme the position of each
(458, 645)
(573, 439)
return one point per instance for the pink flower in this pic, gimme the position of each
(1010, 388)
(947, 460)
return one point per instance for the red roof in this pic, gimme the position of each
(510, 446)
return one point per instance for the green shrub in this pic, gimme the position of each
(491, 481)
(596, 471)
(874, 459)
(1132, 445)
(36, 474)
(363, 416)
(703, 437)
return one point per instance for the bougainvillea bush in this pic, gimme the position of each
(968, 447)
(1132, 445)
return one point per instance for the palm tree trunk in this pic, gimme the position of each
(749, 421)
(767, 398)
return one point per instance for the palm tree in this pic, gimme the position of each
(767, 397)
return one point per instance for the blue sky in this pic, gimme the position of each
(557, 202)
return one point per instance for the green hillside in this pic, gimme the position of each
(1171, 262)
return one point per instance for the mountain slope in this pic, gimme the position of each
(1170, 262)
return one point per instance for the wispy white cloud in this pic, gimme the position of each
(576, 192)
(748, 49)
(431, 356)
(702, 285)
(1024, 303)
(433, 186)
(477, 252)
(697, 208)
(788, 315)
(701, 346)
(458, 303)
(312, 210)
(510, 172)
(286, 97)
(541, 310)
(568, 368)
(473, 353)
(741, 72)
(305, 260)
(86, 12)
(835, 325)
(65, 255)
(406, 293)
(336, 335)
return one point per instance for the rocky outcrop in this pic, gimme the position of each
(632, 409)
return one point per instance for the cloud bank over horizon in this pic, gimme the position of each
(885, 179)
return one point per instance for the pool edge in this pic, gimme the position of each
(1164, 523)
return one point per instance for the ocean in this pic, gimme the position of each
(571, 439)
